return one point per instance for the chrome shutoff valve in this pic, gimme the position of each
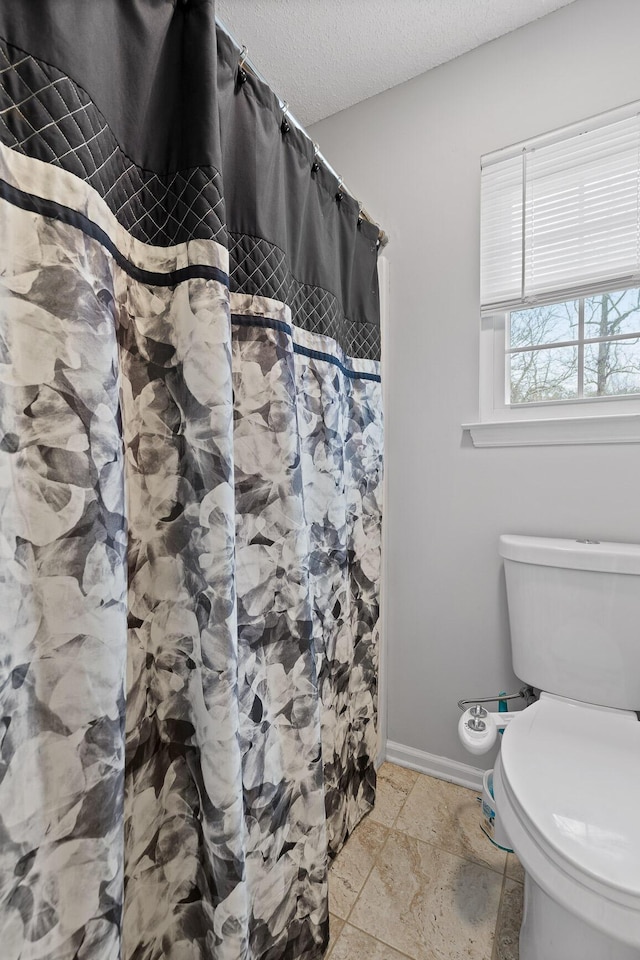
(476, 720)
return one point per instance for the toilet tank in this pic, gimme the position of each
(574, 612)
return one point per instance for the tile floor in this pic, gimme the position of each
(418, 879)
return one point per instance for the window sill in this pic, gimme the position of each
(620, 428)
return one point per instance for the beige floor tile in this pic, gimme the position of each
(354, 944)
(448, 816)
(335, 929)
(351, 867)
(394, 786)
(509, 921)
(514, 868)
(428, 903)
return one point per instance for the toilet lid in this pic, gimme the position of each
(575, 772)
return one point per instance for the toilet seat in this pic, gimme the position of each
(567, 787)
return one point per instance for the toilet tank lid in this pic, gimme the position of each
(603, 556)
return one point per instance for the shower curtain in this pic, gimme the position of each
(190, 481)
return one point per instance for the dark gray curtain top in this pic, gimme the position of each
(180, 127)
(148, 65)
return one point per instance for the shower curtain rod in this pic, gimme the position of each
(247, 64)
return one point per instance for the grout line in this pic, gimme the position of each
(470, 858)
(494, 952)
(382, 943)
(507, 877)
(354, 925)
(375, 860)
(450, 853)
(371, 869)
(404, 802)
(332, 945)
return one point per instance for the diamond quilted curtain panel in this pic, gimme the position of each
(190, 497)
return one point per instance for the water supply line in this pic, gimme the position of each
(524, 693)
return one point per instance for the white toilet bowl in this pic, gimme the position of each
(567, 791)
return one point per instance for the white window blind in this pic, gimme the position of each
(561, 215)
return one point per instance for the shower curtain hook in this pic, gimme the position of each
(285, 126)
(242, 73)
(315, 166)
(339, 194)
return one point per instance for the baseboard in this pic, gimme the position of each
(434, 766)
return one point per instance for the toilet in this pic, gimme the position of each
(567, 780)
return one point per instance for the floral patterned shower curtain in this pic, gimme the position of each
(190, 479)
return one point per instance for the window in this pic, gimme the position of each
(560, 274)
(584, 348)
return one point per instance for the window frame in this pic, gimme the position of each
(589, 420)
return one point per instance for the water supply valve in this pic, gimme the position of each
(478, 713)
(477, 729)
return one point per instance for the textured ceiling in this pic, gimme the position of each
(324, 55)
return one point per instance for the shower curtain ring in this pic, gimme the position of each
(242, 73)
(285, 126)
(315, 166)
(339, 194)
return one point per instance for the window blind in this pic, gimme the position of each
(561, 216)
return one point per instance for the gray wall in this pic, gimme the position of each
(412, 155)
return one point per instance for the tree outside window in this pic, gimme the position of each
(583, 348)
